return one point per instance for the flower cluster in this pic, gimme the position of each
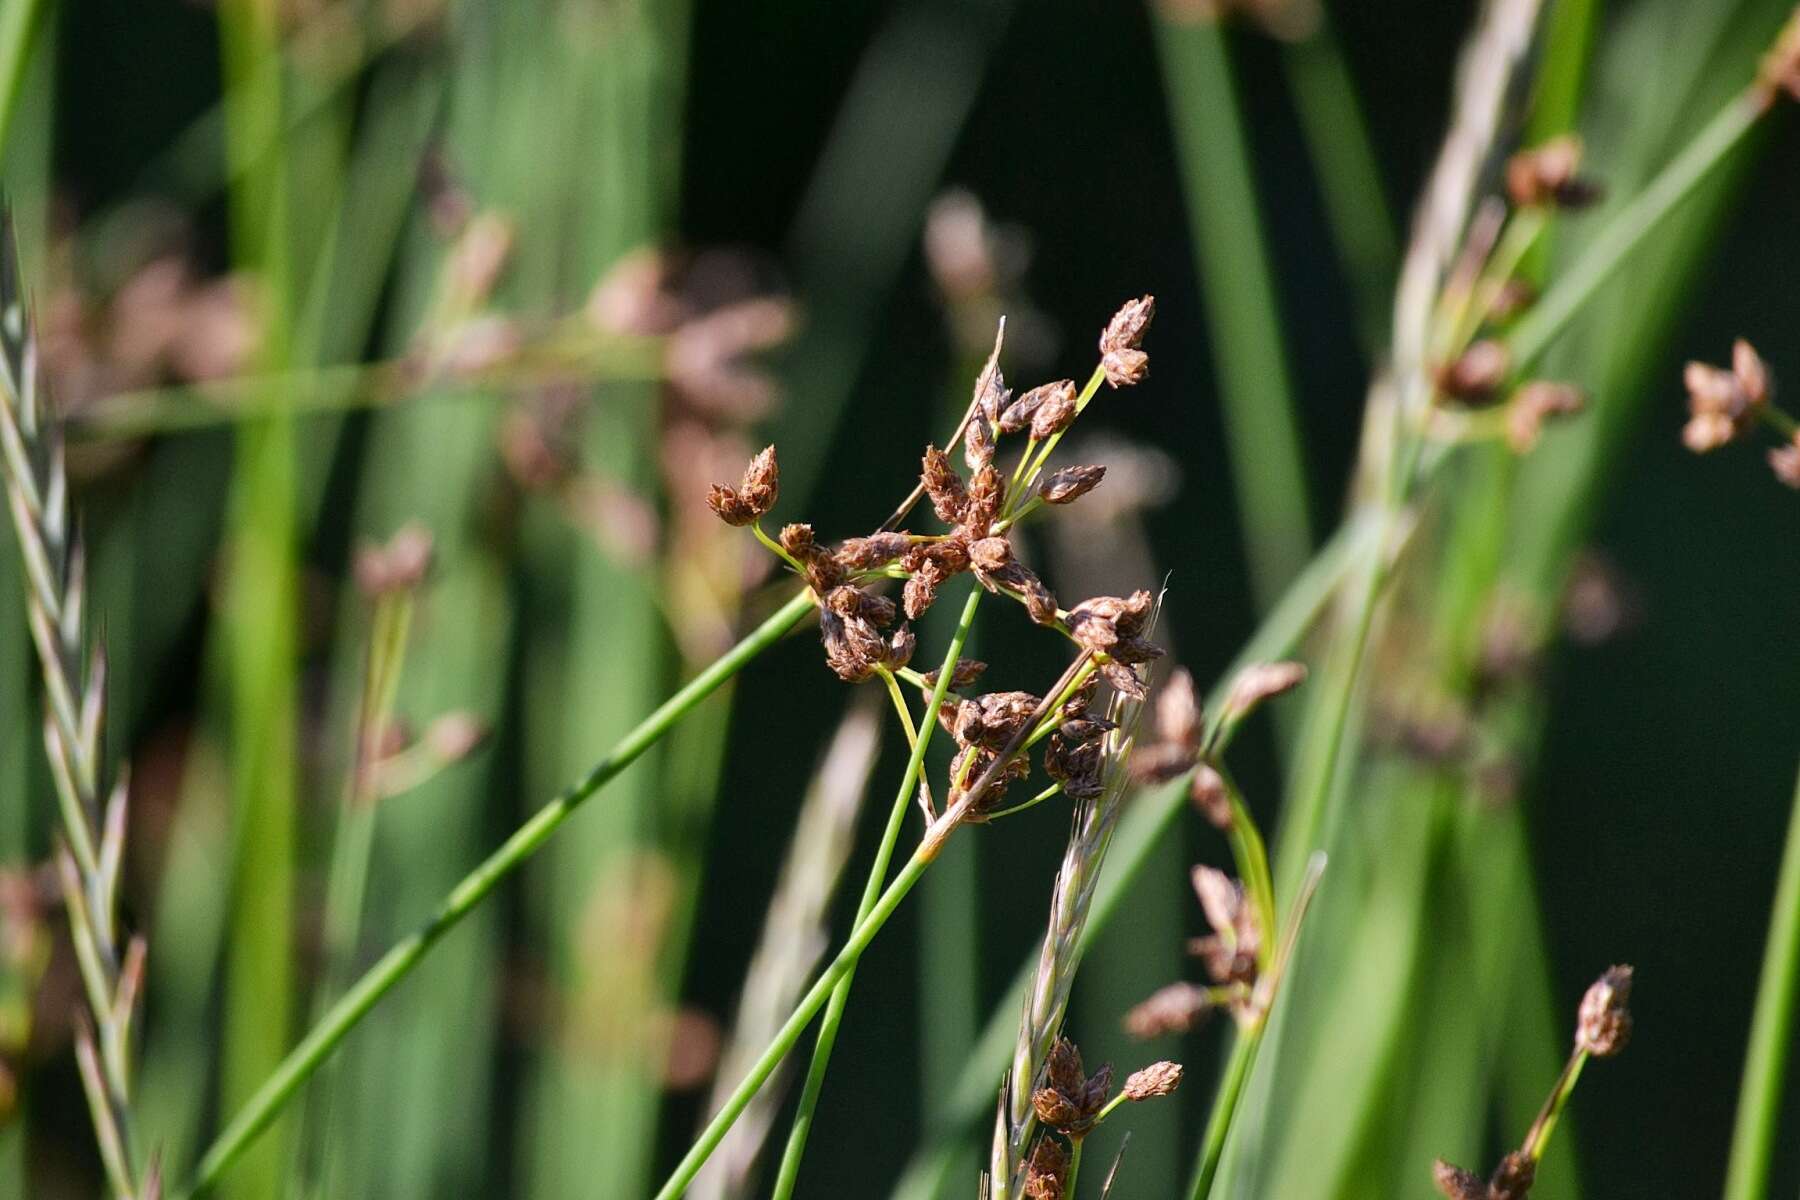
(866, 634)
(1072, 1102)
(1724, 404)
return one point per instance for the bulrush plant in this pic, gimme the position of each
(1602, 1027)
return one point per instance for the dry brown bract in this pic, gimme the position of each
(1121, 353)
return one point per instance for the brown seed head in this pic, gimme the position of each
(1018, 415)
(978, 443)
(1126, 329)
(1784, 460)
(990, 554)
(900, 648)
(1047, 1170)
(823, 571)
(987, 490)
(1208, 792)
(1546, 175)
(921, 589)
(1723, 404)
(867, 553)
(1477, 374)
(1752, 372)
(1535, 403)
(1263, 681)
(966, 672)
(1603, 1024)
(1070, 483)
(1177, 1008)
(1178, 713)
(1157, 1079)
(1125, 368)
(1123, 680)
(1054, 414)
(1513, 1178)
(1457, 1183)
(754, 495)
(944, 486)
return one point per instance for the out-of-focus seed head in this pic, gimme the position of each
(1070, 483)
(1457, 1183)
(1513, 298)
(1177, 1008)
(1752, 372)
(754, 496)
(1723, 404)
(1260, 682)
(1178, 713)
(399, 565)
(945, 487)
(1780, 70)
(1784, 460)
(876, 550)
(1603, 1023)
(1123, 680)
(1477, 374)
(1535, 403)
(1055, 413)
(1157, 1079)
(1546, 176)
(1209, 794)
(1018, 415)
(454, 736)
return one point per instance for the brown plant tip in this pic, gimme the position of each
(1780, 71)
(1055, 414)
(1535, 403)
(1103, 621)
(1545, 176)
(1457, 1183)
(1209, 794)
(1121, 354)
(1723, 404)
(1603, 1023)
(755, 494)
(1177, 1008)
(1047, 1170)
(978, 443)
(1070, 483)
(1229, 952)
(1513, 1178)
(1261, 682)
(1018, 415)
(1157, 1079)
(944, 486)
(1477, 374)
(1784, 460)
(1068, 1100)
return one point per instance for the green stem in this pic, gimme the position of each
(398, 962)
(1629, 227)
(840, 995)
(1075, 1145)
(1252, 857)
(1231, 1090)
(796, 1023)
(1030, 474)
(1771, 1034)
(1538, 1137)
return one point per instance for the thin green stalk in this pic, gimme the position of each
(1771, 1034)
(1075, 1146)
(1538, 1137)
(1628, 228)
(1218, 1126)
(840, 995)
(1243, 312)
(294, 1070)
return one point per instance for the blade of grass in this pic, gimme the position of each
(1760, 1094)
(19, 23)
(1242, 307)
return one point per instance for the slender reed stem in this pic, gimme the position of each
(18, 27)
(398, 962)
(1074, 1166)
(1538, 1136)
(1771, 1034)
(840, 995)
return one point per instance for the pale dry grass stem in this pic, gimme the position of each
(91, 849)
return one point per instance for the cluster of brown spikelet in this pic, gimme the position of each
(1726, 403)
(866, 633)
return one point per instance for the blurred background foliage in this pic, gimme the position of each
(273, 193)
